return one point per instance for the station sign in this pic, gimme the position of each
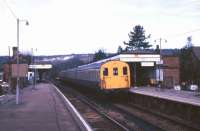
(40, 66)
(147, 64)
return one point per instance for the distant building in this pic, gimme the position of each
(8, 70)
(181, 66)
(171, 67)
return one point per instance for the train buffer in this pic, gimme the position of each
(42, 109)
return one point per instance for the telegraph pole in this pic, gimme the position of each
(18, 77)
(17, 87)
(34, 63)
(18, 21)
(9, 70)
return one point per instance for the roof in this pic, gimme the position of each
(146, 51)
(196, 51)
(170, 52)
(164, 52)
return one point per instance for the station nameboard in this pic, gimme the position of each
(40, 66)
(148, 64)
(23, 70)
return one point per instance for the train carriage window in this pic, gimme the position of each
(115, 71)
(105, 71)
(125, 71)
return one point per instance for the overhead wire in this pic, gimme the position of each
(10, 9)
(180, 34)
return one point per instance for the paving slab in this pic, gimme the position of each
(39, 110)
(188, 97)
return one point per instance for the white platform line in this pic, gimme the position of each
(77, 116)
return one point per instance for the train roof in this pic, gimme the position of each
(94, 65)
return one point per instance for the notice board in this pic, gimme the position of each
(23, 70)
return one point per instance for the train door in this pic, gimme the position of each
(115, 81)
(120, 77)
(105, 78)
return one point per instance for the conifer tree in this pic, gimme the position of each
(137, 39)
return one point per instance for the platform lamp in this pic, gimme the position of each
(17, 86)
(33, 61)
(160, 52)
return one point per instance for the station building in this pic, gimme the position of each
(148, 67)
(171, 67)
(26, 69)
(144, 66)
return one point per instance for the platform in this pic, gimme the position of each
(39, 110)
(187, 97)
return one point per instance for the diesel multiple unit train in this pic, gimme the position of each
(105, 75)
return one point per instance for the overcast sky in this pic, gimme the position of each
(84, 26)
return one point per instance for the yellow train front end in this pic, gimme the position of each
(114, 75)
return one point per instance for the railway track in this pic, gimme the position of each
(104, 114)
(128, 115)
(93, 114)
(100, 115)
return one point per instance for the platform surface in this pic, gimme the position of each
(39, 110)
(188, 97)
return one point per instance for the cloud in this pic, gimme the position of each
(66, 26)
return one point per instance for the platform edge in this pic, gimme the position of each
(76, 115)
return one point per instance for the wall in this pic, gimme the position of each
(171, 70)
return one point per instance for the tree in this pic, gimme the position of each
(185, 63)
(120, 49)
(137, 39)
(189, 42)
(188, 68)
(99, 55)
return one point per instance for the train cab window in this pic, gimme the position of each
(125, 71)
(115, 71)
(105, 71)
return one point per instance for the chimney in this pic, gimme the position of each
(15, 49)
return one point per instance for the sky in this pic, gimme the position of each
(84, 26)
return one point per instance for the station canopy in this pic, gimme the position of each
(137, 57)
(145, 59)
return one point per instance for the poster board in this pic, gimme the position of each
(23, 70)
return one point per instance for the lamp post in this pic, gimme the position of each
(34, 63)
(160, 42)
(17, 86)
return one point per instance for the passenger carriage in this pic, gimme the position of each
(105, 75)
